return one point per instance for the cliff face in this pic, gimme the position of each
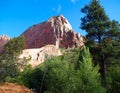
(38, 55)
(46, 38)
(56, 31)
(3, 40)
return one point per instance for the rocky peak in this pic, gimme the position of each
(4, 37)
(3, 40)
(55, 31)
(60, 22)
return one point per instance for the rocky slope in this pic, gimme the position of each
(56, 31)
(13, 88)
(3, 40)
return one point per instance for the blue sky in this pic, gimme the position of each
(18, 15)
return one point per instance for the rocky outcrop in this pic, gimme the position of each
(56, 31)
(13, 88)
(38, 55)
(3, 40)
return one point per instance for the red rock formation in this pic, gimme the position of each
(56, 31)
(3, 40)
(13, 88)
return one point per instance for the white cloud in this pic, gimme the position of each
(73, 1)
(57, 9)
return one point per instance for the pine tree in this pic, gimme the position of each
(114, 30)
(103, 35)
(95, 22)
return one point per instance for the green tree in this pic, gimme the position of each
(95, 22)
(8, 68)
(113, 80)
(15, 46)
(89, 74)
(103, 35)
(60, 74)
(114, 30)
(9, 65)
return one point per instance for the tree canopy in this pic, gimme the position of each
(95, 22)
(103, 38)
(9, 58)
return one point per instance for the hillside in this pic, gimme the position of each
(13, 88)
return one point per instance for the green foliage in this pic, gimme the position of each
(60, 74)
(35, 79)
(110, 50)
(23, 77)
(103, 38)
(95, 22)
(72, 56)
(107, 55)
(9, 58)
(8, 68)
(89, 74)
(63, 77)
(114, 30)
(15, 46)
(113, 79)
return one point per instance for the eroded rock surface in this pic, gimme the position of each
(56, 30)
(38, 55)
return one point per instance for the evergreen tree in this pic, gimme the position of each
(103, 36)
(113, 80)
(89, 74)
(95, 22)
(114, 31)
(60, 75)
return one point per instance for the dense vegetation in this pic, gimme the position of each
(60, 75)
(94, 68)
(9, 65)
(103, 40)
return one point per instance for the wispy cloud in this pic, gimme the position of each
(57, 9)
(73, 1)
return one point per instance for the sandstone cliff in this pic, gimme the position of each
(38, 55)
(56, 31)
